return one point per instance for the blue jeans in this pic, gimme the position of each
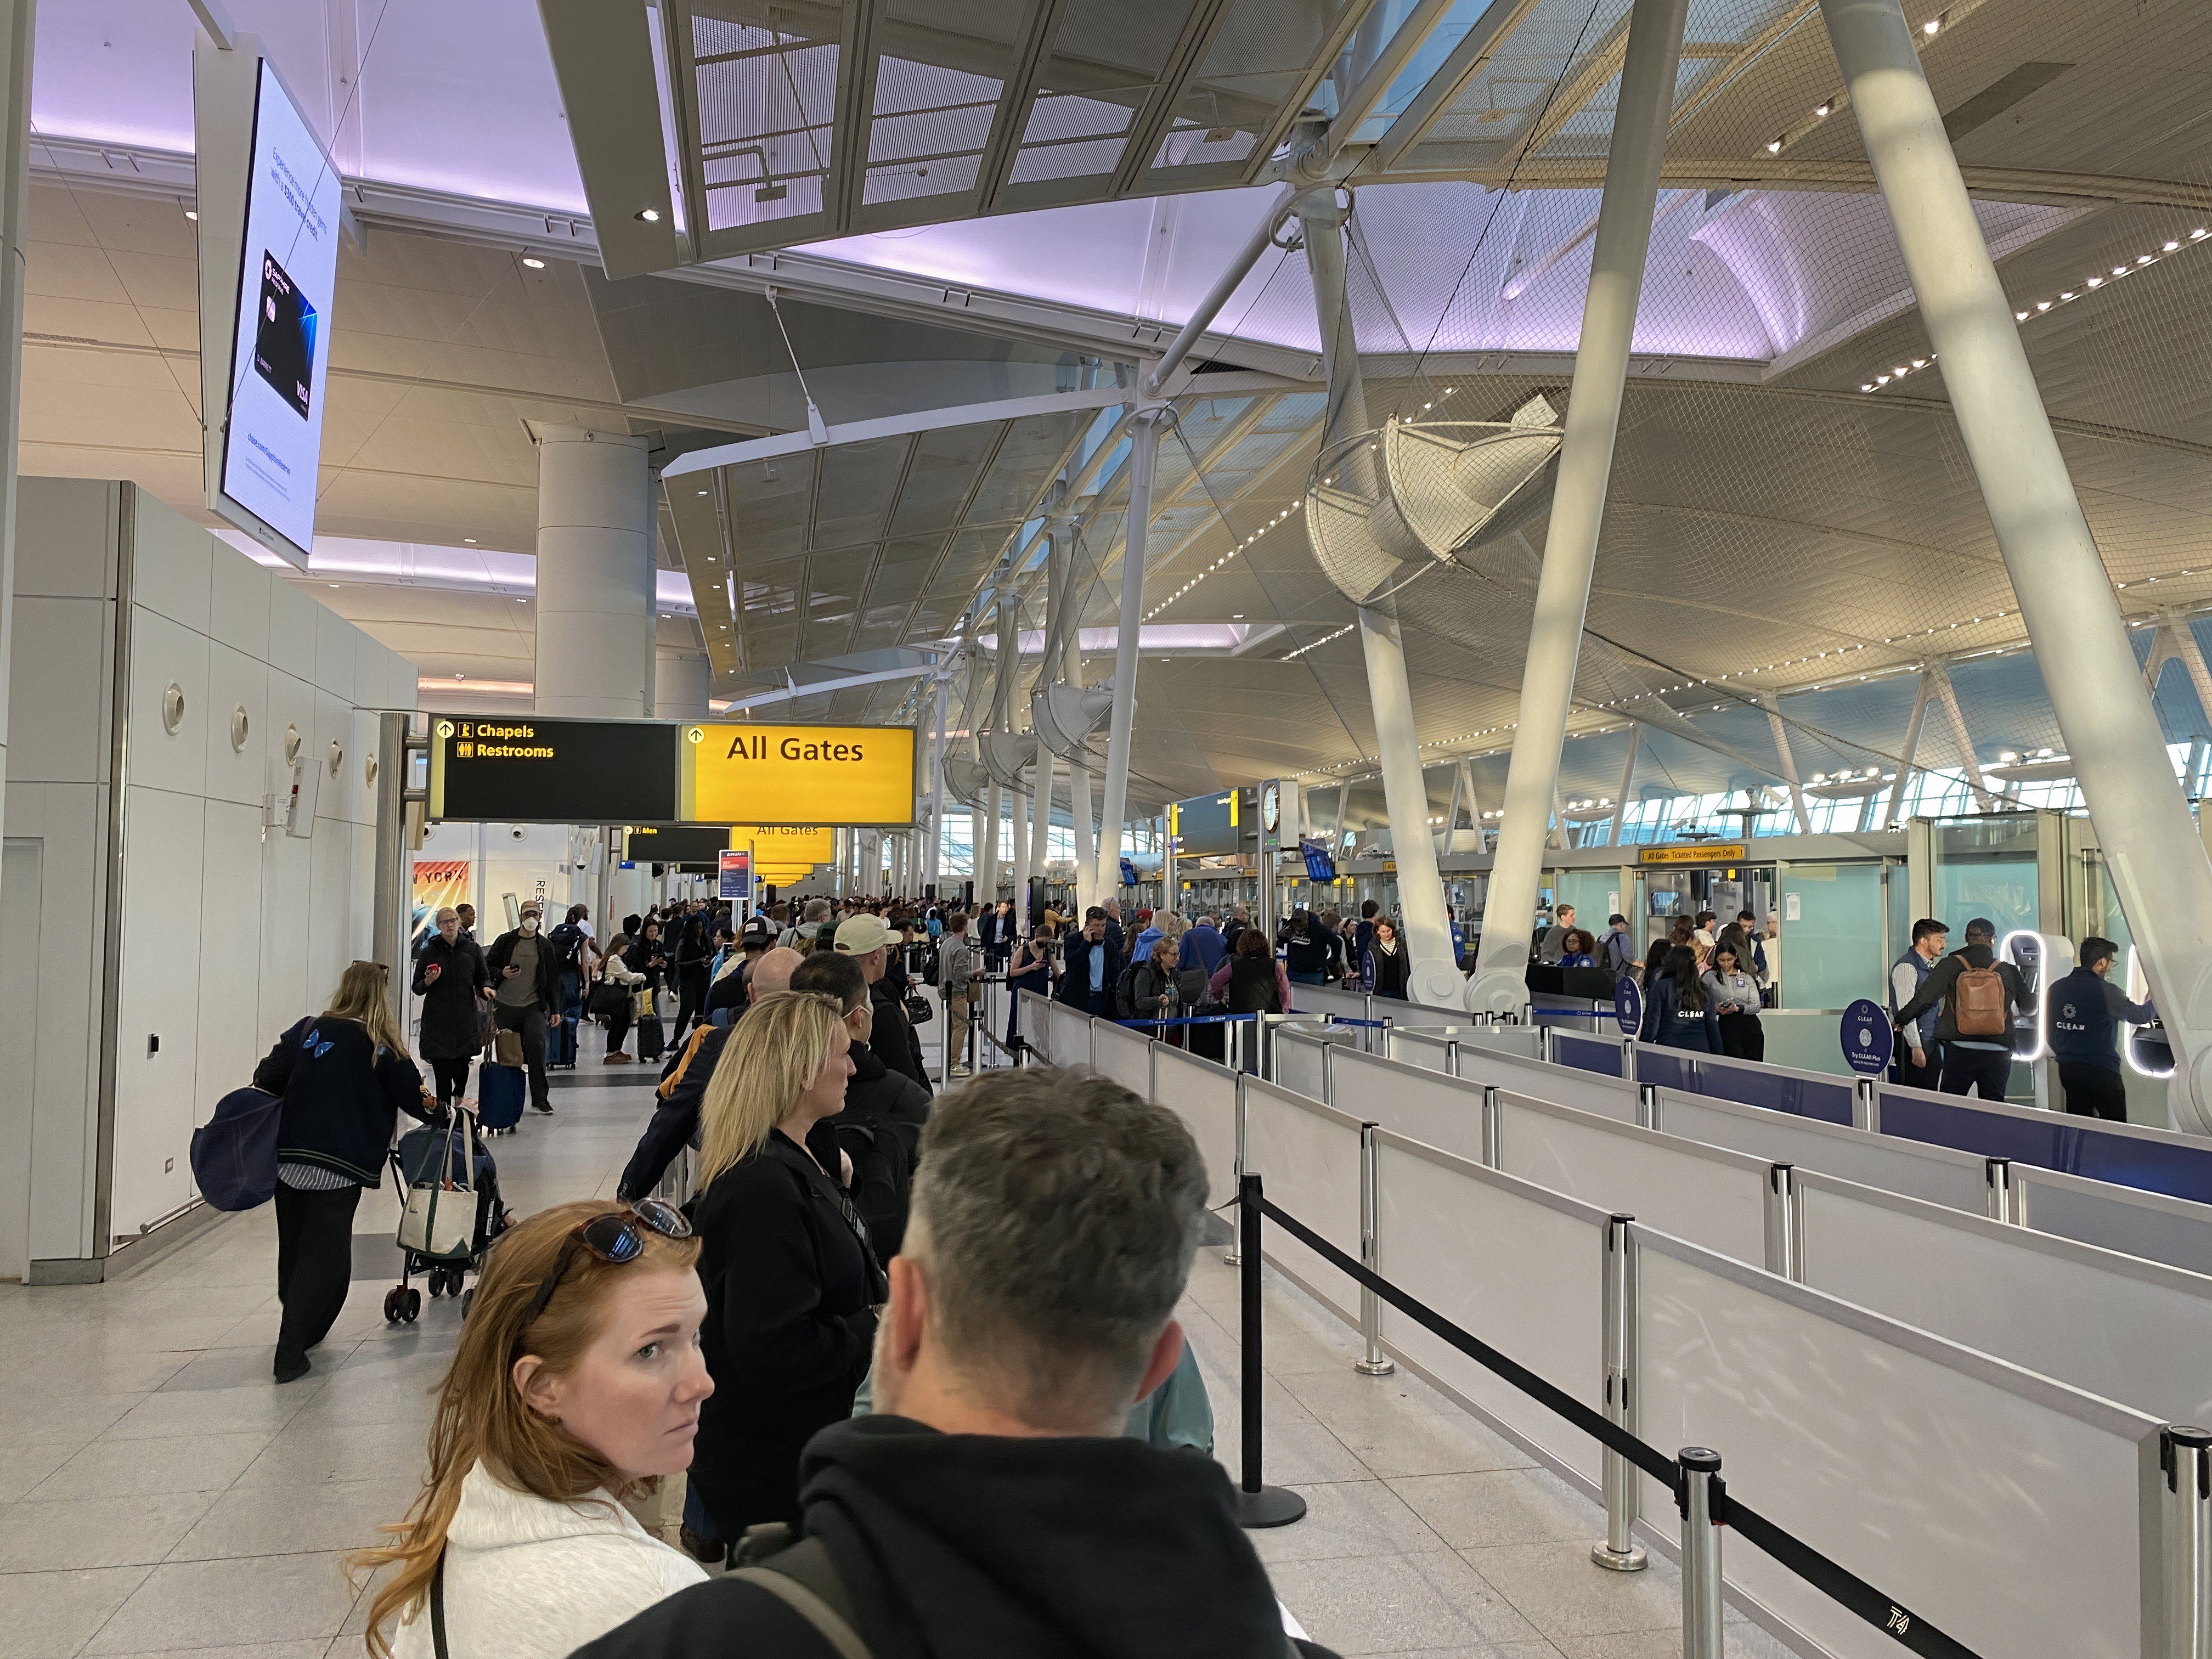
(563, 1035)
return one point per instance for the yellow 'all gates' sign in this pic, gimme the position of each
(798, 775)
(787, 845)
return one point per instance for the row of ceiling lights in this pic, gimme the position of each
(1828, 106)
(2028, 314)
(1290, 656)
(1223, 560)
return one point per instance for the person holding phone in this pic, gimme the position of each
(451, 978)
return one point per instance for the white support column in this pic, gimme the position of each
(2158, 865)
(1627, 782)
(1557, 837)
(18, 27)
(1789, 763)
(1473, 803)
(1912, 749)
(595, 581)
(2181, 641)
(1144, 452)
(1062, 553)
(1451, 813)
(1644, 106)
(1949, 698)
(1433, 974)
(933, 826)
(681, 680)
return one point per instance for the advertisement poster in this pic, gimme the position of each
(438, 883)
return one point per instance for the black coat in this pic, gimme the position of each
(1075, 984)
(994, 1546)
(895, 1042)
(549, 971)
(1391, 968)
(788, 1332)
(675, 1120)
(453, 1012)
(884, 1112)
(343, 1096)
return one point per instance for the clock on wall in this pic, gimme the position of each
(1271, 807)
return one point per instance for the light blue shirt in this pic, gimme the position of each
(1098, 967)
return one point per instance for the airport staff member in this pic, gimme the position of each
(1919, 1060)
(2086, 1009)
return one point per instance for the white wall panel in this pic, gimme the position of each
(361, 892)
(172, 563)
(58, 670)
(1407, 1100)
(237, 609)
(2130, 1330)
(1204, 1096)
(1307, 1157)
(286, 885)
(66, 538)
(1934, 1173)
(22, 886)
(1124, 1056)
(229, 967)
(158, 997)
(2004, 1508)
(1709, 1196)
(291, 708)
(165, 653)
(236, 681)
(330, 919)
(294, 625)
(1523, 1271)
(333, 725)
(337, 646)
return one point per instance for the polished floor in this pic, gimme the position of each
(159, 1495)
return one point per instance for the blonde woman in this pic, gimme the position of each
(345, 1077)
(792, 1282)
(577, 1381)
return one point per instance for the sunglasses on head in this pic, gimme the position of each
(615, 1238)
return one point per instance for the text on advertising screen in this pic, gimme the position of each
(280, 344)
(521, 769)
(807, 775)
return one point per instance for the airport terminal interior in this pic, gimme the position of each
(1557, 646)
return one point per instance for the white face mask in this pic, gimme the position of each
(530, 924)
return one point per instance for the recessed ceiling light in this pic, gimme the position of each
(192, 213)
(1774, 147)
(1824, 109)
(1931, 26)
(532, 262)
(460, 677)
(333, 584)
(649, 216)
(471, 540)
(701, 492)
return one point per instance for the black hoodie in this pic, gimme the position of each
(990, 1547)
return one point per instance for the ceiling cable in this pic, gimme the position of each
(815, 427)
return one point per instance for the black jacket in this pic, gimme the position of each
(1391, 968)
(788, 1331)
(894, 1042)
(1935, 990)
(993, 1547)
(453, 1015)
(1075, 984)
(884, 1112)
(675, 1120)
(343, 1096)
(549, 971)
(2086, 1011)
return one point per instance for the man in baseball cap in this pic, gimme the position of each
(868, 941)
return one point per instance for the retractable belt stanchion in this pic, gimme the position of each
(1257, 1503)
(1700, 1496)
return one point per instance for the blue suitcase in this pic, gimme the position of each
(501, 1091)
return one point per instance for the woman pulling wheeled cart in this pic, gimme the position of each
(450, 1208)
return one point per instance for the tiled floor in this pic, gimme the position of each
(159, 1495)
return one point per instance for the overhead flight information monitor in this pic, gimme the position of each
(802, 775)
(518, 769)
(682, 843)
(1208, 826)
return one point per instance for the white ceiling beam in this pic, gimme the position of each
(795, 690)
(1375, 81)
(894, 426)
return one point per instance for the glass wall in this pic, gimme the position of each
(1986, 868)
(1833, 937)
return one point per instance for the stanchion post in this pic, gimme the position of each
(1234, 1256)
(1490, 1126)
(1647, 1105)
(2184, 1455)
(1545, 1050)
(1863, 1103)
(1785, 1212)
(1327, 1072)
(1701, 1553)
(1628, 1060)
(1620, 1552)
(1258, 1504)
(1451, 1056)
(2000, 1197)
(1374, 1362)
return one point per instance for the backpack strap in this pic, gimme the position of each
(804, 1579)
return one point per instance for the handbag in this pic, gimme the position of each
(429, 1228)
(608, 999)
(505, 1047)
(918, 1010)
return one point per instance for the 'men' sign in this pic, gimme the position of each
(798, 775)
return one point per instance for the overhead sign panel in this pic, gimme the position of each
(784, 844)
(798, 775)
(686, 843)
(521, 769)
(1210, 826)
(269, 202)
(1698, 852)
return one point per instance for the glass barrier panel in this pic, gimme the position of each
(2065, 1143)
(1833, 942)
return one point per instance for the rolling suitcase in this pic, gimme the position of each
(501, 1091)
(651, 1039)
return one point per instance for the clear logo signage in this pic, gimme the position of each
(1868, 1037)
(1628, 1006)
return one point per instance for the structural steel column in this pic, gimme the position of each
(1062, 552)
(595, 580)
(1433, 973)
(1143, 456)
(18, 20)
(2181, 643)
(1627, 779)
(1010, 645)
(2158, 864)
(933, 847)
(1641, 114)
(1789, 763)
(1911, 748)
(1940, 673)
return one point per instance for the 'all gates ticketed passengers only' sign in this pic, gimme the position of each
(806, 774)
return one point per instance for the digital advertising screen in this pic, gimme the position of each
(272, 438)
(518, 769)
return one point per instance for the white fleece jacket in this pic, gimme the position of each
(529, 1578)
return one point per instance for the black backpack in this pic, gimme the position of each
(1125, 993)
(883, 1154)
(567, 943)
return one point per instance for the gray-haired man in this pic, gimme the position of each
(992, 1507)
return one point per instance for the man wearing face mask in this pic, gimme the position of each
(527, 996)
